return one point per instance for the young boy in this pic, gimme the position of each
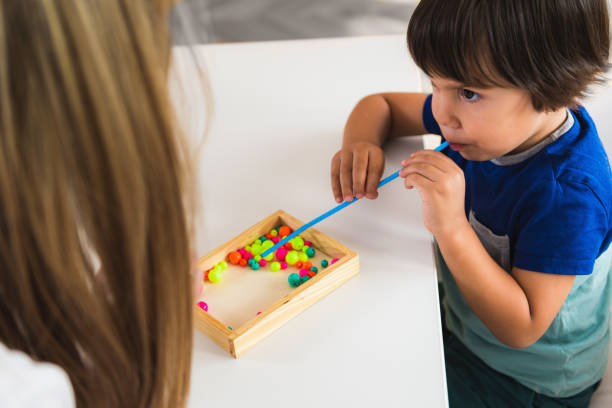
(520, 206)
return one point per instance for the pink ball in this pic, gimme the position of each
(203, 306)
(258, 313)
(275, 239)
(247, 255)
(308, 244)
(281, 253)
(242, 251)
(284, 265)
(303, 272)
(334, 260)
(262, 262)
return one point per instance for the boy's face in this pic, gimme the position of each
(482, 124)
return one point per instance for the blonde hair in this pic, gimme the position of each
(94, 210)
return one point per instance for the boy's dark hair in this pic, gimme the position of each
(554, 49)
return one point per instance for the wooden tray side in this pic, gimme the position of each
(214, 329)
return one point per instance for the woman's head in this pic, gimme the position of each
(552, 49)
(94, 210)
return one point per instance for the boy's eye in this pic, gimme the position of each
(470, 96)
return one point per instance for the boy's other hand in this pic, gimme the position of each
(441, 185)
(356, 170)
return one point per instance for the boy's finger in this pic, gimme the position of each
(438, 159)
(376, 165)
(335, 178)
(346, 175)
(360, 168)
(425, 169)
(417, 181)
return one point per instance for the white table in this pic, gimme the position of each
(280, 111)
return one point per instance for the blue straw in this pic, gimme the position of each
(334, 210)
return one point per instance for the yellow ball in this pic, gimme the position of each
(214, 276)
(292, 257)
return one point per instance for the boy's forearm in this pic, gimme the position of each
(492, 293)
(370, 121)
(379, 117)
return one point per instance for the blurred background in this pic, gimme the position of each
(222, 21)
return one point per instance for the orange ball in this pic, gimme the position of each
(307, 265)
(311, 274)
(243, 262)
(299, 264)
(284, 231)
(269, 236)
(235, 257)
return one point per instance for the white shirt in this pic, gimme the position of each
(25, 383)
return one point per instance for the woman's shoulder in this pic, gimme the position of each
(28, 383)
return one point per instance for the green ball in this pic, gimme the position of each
(256, 249)
(294, 280)
(214, 276)
(292, 257)
(310, 252)
(302, 256)
(255, 266)
(305, 278)
(223, 264)
(324, 263)
(218, 268)
(314, 269)
(267, 245)
(269, 257)
(257, 242)
(257, 258)
(275, 266)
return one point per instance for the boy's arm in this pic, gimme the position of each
(379, 117)
(357, 167)
(518, 307)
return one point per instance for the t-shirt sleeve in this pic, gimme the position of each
(428, 119)
(562, 227)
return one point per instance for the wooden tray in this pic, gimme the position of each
(232, 320)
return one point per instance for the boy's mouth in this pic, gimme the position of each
(457, 146)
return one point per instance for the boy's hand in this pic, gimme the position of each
(356, 170)
(441, 185)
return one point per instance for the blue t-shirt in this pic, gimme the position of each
(547, 209)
